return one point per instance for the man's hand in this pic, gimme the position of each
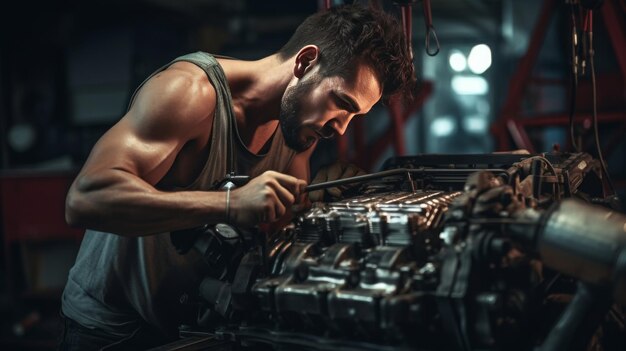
(337, 170)
(265, 199)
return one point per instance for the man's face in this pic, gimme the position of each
(322, 107)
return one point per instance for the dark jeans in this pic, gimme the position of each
(75, 337)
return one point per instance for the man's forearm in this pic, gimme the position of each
(121, 203)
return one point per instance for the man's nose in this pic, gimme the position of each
(342, 123)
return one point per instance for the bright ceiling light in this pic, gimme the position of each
(470, 85)
(442, 126)
(475, 124)
(479, 59)
(457, 61)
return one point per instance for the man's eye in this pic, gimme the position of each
(341, 103)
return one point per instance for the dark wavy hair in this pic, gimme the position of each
(350, 34)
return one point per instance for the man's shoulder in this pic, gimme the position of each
(179, 95)
(185, 82)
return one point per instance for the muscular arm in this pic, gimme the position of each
(115, 190)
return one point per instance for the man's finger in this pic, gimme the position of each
(320, 177)
(335, 171)
(334, 192)
(352, 171)
(268, 214)
(292, 184)
(284, 195)
(279, 211)
(316, 196)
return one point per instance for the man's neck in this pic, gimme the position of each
(257, 88)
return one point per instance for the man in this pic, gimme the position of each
(188, 125)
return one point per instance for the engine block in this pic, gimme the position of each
(353, 263)
(388, 219)
(391, 267)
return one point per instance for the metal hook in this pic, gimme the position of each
(430, 31)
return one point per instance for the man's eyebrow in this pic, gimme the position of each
(354, 106)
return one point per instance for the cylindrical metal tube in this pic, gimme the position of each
(583, 241)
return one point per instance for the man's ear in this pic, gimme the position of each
(306, 59)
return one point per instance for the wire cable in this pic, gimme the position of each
(552, 169)
(574, 78)
(595, 104)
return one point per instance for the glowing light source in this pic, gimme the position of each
(470, 85)
(475, 124)
(442, 126)
(457, 61)
(479, 59)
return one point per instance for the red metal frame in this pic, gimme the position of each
(518, 84)
(616, 27)
(511, 125)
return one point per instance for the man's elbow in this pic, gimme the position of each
(75, 210)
